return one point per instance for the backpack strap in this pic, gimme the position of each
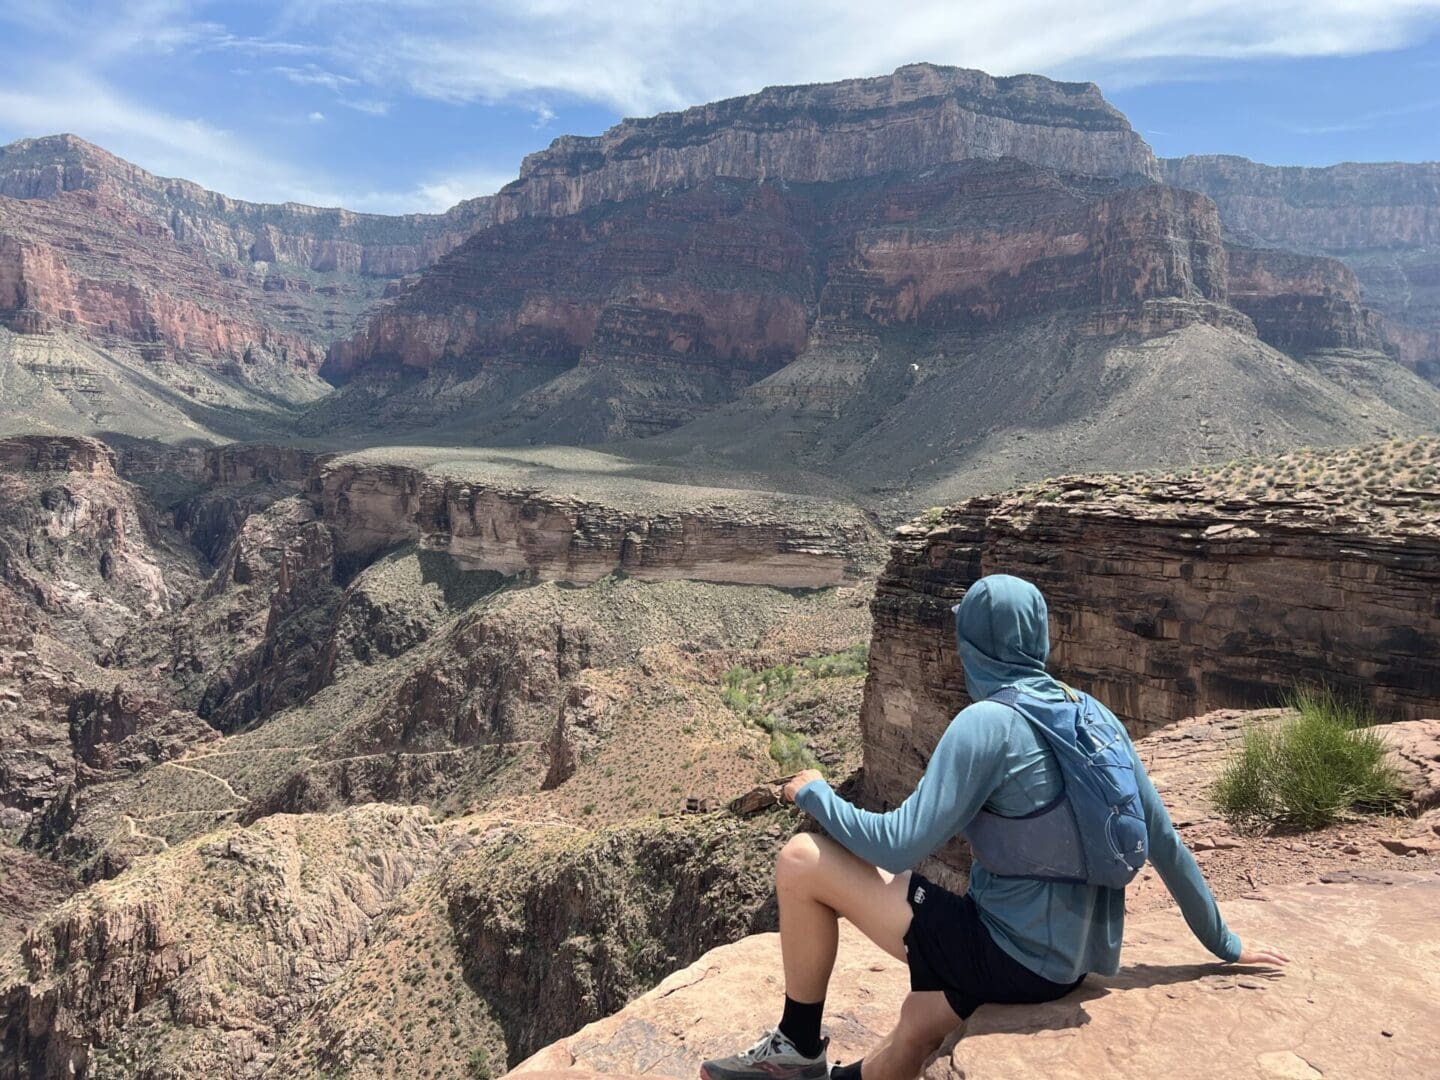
(1006, 695)
(1009, 695)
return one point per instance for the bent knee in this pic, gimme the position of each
(798, 858)
(925, 1021)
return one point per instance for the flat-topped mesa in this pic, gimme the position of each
(920, 116)
(292, 234)
(1171, 596)
(1382, 220)
(503, 516)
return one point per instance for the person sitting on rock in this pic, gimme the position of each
(1014, 937)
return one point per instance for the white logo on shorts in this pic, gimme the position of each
(920, 894)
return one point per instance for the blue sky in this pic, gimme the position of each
(397, 105)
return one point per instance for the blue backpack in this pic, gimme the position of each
(1094, 832)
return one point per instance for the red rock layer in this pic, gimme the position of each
(728, 277)
(78, 262)
(1300, 303)
(94, 243)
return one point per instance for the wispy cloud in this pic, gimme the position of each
(1366, 121)
(640, 56)
(629, 56)
(314, 75)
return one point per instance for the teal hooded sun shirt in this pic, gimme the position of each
(990, 757)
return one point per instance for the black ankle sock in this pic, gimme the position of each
(800, 1023)
(846, 1072)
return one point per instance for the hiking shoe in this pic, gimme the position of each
(774, 1057)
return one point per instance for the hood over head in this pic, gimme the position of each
(1002, 630)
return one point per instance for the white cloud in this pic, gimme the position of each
(640, 56)
(443, 192)
(368, 106)
(635, 57)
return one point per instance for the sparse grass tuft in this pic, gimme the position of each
(1326, 762)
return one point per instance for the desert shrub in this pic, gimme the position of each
(477, 1065)
(851, 661)
(1326, 762)
(790, 752)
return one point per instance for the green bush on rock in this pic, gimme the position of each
(1325, 762)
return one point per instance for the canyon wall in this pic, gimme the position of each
(1381, 219)
(650, 312)
(289, 234)
(920, 116)
(510, 527)
(1168, 598)
(93, 245)
(77, 266)
(1301, 303)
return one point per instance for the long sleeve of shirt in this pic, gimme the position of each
(1180, 873)
(965, 768)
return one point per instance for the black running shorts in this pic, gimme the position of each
(948, 948)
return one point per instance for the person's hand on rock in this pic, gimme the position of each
(798, 781)
(1265, 956)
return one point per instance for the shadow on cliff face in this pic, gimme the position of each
(595, 922)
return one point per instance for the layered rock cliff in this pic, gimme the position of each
(1302, 303)
(1382, 220)
(306, 238)
(920, 116)
(630, 318)
(168, 275)
(493, 514)
(1173, 595)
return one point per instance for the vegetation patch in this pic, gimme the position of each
(1326, 762)
(759, 696)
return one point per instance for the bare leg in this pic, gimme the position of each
(818, 883)
(925, 1019)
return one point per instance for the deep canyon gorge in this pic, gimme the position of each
(405, 620)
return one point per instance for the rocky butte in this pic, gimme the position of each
(920, 116)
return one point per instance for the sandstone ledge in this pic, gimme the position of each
(1361, 999)
(513, 516)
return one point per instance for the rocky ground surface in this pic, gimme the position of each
(1358, 1000)
(289, 786)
